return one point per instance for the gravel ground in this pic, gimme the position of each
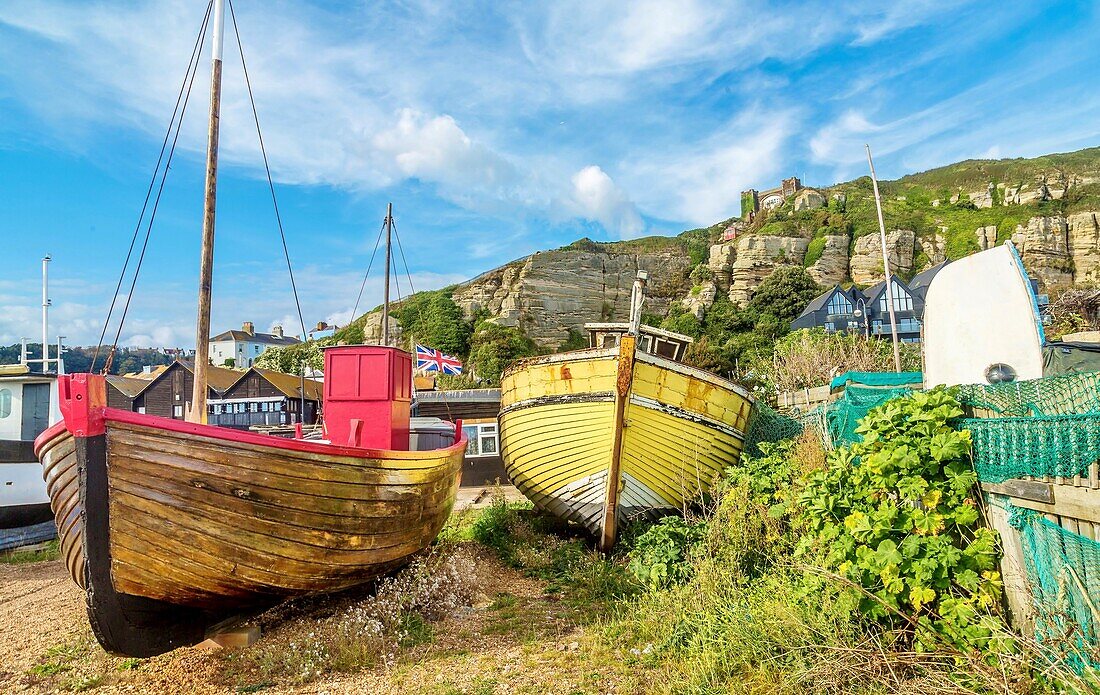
(513, 639)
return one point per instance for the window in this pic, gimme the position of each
(666, 349)
(902, 300)
(5, 403)
(256, 348)
(253, 407)
(177, 411)
(610, 340)
(839, 304)
(472, 448)
(643, 344)
(482, 439)
(141, 410)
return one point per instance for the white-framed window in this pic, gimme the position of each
(902, 300)
(141, 410)
(482, 439)
(839, 304)
(253, 407)
(177, 411)
(5, 403)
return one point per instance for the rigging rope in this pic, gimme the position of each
(267, 170)
(367, 274)
(188, 78)
(407, 273)
(156, 201)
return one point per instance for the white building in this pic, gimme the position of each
(240, 348)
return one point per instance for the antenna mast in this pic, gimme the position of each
(197, 413)
(46, 313)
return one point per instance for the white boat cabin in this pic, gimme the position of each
(652, 341)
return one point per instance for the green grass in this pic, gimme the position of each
(21, 557)
(58, 659)
(557, 553)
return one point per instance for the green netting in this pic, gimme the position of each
(844, 414)
(769, 426)
(877, 379)
(1055, 395)
(1048, 427)
(1052, 445)
(1063, 570)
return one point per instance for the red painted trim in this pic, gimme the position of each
(48, 434)
(263, 440)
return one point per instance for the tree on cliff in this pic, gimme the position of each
(493, 347)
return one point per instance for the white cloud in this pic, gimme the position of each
(596, 197)
(702, 182)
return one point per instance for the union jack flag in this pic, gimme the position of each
(432, 360)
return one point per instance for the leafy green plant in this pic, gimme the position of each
(894, 515)
(660, 556)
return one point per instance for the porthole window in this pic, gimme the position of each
(5, 403)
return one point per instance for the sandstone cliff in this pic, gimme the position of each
(551, 293)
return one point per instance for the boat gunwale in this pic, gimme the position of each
(263, 441)
(610, 353)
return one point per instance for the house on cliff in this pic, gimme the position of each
(868, 312)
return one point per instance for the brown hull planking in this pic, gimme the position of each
(185, 530)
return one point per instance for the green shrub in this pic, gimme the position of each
(659, 556)
(895, 515)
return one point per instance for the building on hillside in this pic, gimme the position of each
(753, 201)
(478, 410)
(867, 311)
(241, 348)
(168, 394)
(266, 397)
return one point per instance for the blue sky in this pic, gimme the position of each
(496, 129)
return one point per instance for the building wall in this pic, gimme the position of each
(242, 352)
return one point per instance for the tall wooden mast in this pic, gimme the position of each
(197, 413)
(386, 287)
(886, 265)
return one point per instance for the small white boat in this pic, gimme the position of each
(28, 405)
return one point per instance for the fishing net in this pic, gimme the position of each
(769, 426)
(844, 414)
(1063, 571)
(1041, 427)
(877, 379)
(1055, 395)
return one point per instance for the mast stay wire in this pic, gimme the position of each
(188, 79)
(408, 275)
(367, 274)
(267, 170)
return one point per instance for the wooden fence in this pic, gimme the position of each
(1071, 503)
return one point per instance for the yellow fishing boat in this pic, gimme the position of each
(622, 430)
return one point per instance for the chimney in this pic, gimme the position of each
(277, 331)
(249, 328)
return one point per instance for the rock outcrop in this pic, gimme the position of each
(1084, 236)
(550, 293)
(808, 199)
(832, 267)
(866, 264)
(1045, 249)
(700, 299)
(934, 246)
(755, 259)
(987, 237)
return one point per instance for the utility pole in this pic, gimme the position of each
(45, 313)
(886, 265)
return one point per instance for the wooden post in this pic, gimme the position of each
(197, 413)
(886, 265)
(623, 380)
(386, 286)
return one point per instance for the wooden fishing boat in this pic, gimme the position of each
(173, 528)
(620, 431)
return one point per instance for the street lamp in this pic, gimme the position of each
(863, 312)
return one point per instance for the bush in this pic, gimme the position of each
(659, 556)
(493, 347)
(895, 515)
